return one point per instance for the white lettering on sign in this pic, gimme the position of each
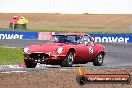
(111, 39)
(105, 39)
(10, 36)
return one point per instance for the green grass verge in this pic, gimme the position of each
(90, 28)
(11, 55)
(70, 30)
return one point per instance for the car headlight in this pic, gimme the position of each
(26, 49)
(60, 50)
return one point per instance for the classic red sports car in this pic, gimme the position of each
(65, 50)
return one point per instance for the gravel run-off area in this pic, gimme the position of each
(57, 78)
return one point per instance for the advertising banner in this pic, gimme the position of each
(124, 38)
(45, 35)
(26, 35)
(18, 35)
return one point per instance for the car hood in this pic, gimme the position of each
(46, 48)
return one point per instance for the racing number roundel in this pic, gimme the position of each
(90, 49)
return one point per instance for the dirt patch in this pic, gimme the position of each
(57, 78)
(72, 22)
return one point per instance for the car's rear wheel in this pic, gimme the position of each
(30, 64)
(99, 60)
(69, 60)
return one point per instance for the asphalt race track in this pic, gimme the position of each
(119, 55)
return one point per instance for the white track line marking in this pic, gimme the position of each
(13, 72)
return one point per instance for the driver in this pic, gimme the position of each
(86, 40)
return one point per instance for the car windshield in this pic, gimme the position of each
(65, 39)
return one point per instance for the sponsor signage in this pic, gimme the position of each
(25, 35)
(123, 38)
(18, 35)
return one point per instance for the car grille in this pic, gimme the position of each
(40, 56)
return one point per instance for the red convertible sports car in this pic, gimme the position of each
(65, 50)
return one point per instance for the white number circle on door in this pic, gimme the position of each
(91, 50)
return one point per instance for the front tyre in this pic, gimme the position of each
(69, 60)
(99, 60)
(30, 64)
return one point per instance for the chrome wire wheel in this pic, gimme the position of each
(70, 58)
(99, 60)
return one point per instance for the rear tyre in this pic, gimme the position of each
(69, 60)
(30, 64)
(99, 60)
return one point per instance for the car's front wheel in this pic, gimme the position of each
(69, 60)
(30, 64)
(99, 60)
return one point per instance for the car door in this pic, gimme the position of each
(88, 48)
(79, 52)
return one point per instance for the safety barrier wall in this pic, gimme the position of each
(126, 38)
(18, 35)
(25, 35)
